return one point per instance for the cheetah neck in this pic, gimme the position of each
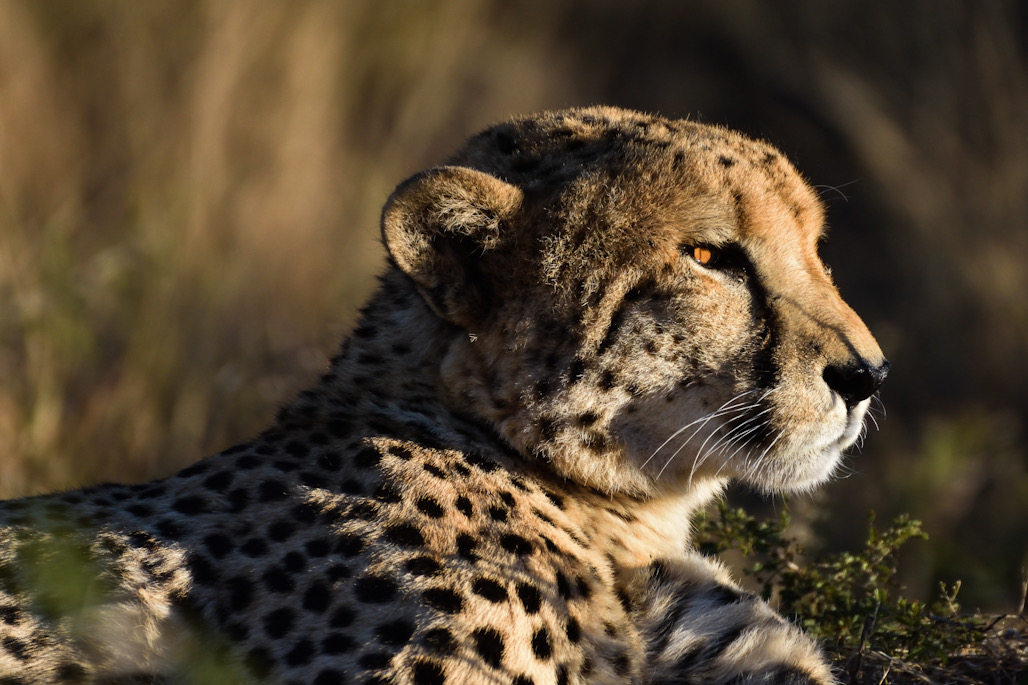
(393, 372)
(391, 358)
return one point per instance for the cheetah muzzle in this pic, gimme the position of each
(591, 321)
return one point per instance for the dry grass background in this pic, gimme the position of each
(189, 194)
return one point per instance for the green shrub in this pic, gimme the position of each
(853, 603)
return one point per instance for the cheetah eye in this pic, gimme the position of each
(721, 258)
(706, 256)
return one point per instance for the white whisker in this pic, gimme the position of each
(701, 420)
(716, 414)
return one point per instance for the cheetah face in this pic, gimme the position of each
(638, 302)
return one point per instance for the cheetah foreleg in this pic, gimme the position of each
(700, 627)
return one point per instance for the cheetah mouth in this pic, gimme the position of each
(856, 424)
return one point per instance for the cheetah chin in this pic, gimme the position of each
(591, 320)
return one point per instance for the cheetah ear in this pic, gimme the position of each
(438, 225)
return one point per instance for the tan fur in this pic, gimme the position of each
(493, 483)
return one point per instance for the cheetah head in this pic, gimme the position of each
(638, 302)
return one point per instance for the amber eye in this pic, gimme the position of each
(728, 258)
(704, 255)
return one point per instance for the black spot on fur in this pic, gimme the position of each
(498, 514)
(489, 589)
(296, 449)
(342, 617)
(563, 586)
(337, 643)
(440, 640)
(573, 630)
(312, 480)
(518, 483)
(576, 370)
(505, 142)
(339, 428)
(423, 566)
(406, 534)
(375, 660)
(400, 452)
(444, 599)
(429, 507)
(428, 672)
(584, 589)
(481, 462)
(464, 506)
(10, 615)
(530, 597)
(278, 623)
(556, 499)
(249, 461)
(15, 647)
(515, 544)
(318, 547)
(281, 530)
(254, 547)
(621, 664)
(218, 481)
(396, 632)
(203, 572)
(301, 653)
(490, 645)
(240, 593)
(435, 470)
(167, 528)
(218, 544)
(68, 673)
(466, 546)
(367, 458)
(338, 572)
(375, 589)
(547, 429)
(351, 486)
(294, 562)
(317, 598)
(272, 491)
(278, 580)
(238, 500)
(541, 646)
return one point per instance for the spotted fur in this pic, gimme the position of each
(591, 320)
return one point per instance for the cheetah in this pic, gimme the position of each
(590, 322)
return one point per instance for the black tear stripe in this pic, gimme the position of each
(768, 326)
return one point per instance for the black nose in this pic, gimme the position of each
(855, 382)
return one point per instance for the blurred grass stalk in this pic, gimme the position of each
(189, 196)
